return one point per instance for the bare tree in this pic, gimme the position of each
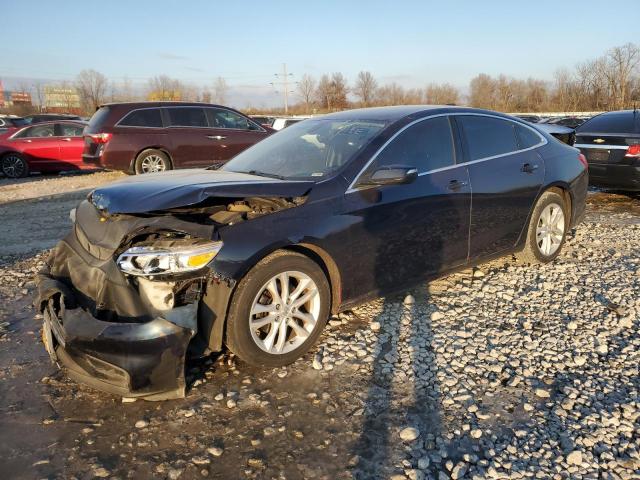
(220, 91)
(622, 62)
(365, 88)
(38, 89)
(339, 90)
(92, 88)
(324, 92)
(390, 94)
(164, 87)
(306, 90)
(441, 94)
(482, 91)
(68, 96)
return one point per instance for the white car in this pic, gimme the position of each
(283, 122)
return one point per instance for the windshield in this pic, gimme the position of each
(312, 148)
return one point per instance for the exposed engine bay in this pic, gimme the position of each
(141, 279)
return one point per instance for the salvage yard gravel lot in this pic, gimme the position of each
(504, 371)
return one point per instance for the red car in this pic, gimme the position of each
(45, 147)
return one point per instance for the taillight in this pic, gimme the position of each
(99, 137)
(583, 160)
(633, 151)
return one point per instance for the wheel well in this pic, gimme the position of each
(566, 195)
(140, 152)
(324, 260)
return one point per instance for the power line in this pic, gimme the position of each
(284, 82)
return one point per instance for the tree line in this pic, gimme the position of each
(608, 82)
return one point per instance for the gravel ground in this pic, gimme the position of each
(44, 201)
(503, 371)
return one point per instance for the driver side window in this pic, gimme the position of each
(426, 146)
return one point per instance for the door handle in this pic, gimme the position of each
(216, 137)
(529, 168)
(66, 139)
(456, 185)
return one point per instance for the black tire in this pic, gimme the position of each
(14, 165)
(239, 337)
(152, 156)
(532, 252)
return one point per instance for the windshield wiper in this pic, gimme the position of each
(264, 174)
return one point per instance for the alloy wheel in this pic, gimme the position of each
(550, 229)
(13, 166)
(285, 312)
(153, 164)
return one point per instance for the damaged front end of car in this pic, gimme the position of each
(127, 297)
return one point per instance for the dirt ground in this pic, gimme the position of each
(295, 422)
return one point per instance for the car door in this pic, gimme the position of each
(232, 132)
(506, 175)
(71, 144)
(190, 137)
(40, 146)
(411, 231)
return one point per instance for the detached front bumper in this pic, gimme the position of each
(97, 323)
(128, 359)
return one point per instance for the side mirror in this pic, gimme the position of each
(392, 175)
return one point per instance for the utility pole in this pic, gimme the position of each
(284, 83)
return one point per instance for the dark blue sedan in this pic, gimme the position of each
(321, 216)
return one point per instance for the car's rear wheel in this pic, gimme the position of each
(14, 166)
(278, 310)
(547, 229)
(152, 161)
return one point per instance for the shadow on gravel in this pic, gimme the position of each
(398, 399)
(410, 236)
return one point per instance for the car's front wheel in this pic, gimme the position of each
(547, 229)
(278, 310)
(152, 161)
(14, 166)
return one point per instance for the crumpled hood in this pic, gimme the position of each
(180, 188)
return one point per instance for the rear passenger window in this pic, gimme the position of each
(227, 119)
(70, 130)
(527, 138)
(487, 136)
(187, 117)
(148, 117)
(427, 145)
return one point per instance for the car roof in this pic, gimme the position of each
(398, 112)
(53, 122)
(162, 104)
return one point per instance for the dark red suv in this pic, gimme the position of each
(156, 136)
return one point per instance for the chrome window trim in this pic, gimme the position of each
(543, 141)
(601, 147)
(117, 124)
(13, 137)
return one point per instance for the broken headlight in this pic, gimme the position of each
(151, 260)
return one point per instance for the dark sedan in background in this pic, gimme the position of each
(148, 137)
(324, 215)
(611, 143)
